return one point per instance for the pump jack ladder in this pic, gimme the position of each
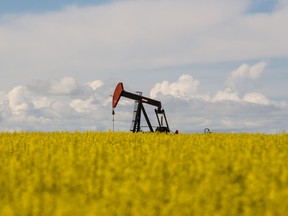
(159, 111)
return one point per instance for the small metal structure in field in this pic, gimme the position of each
(139, 109)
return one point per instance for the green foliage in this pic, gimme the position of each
(108, 173)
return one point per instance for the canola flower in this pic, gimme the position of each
(106, 173)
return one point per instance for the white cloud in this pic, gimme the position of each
(83, 106)
(227, 110)
(66, 85)
(128, 35)
(88, 107)
(246, 71)
(185, 87)
(104, 41)
(256, 98)
(60, 104)
(41, 102)
(226, 94)
(18, 101)
(95, 84)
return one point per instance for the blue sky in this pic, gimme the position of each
(264, 6)
(213, 60)
(34, 6)
(20, 6)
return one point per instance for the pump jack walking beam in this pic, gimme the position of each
(160, 113)
(119, 91)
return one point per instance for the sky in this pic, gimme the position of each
(217, 64)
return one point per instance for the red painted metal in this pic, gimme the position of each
(117, 94)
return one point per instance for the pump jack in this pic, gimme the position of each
(139, 108)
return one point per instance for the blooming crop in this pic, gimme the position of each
(106, 173)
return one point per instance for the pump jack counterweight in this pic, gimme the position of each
(139, 109)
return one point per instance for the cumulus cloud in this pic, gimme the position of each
(83, 106)
(257, 98)
(60, 104)
(227, 110)
(185, 87)
(18, 100)
(246, 71)
(75, 106)
(66, 85)
(95, 84)
(226, 94)
(62, 86)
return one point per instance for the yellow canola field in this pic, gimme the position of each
(106, 173)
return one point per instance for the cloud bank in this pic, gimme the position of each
(61, 104)
(65, 104)
(132, 35)
(227, 109)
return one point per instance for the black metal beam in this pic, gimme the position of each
(161, 127)
(147, 119)
(142, 99)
